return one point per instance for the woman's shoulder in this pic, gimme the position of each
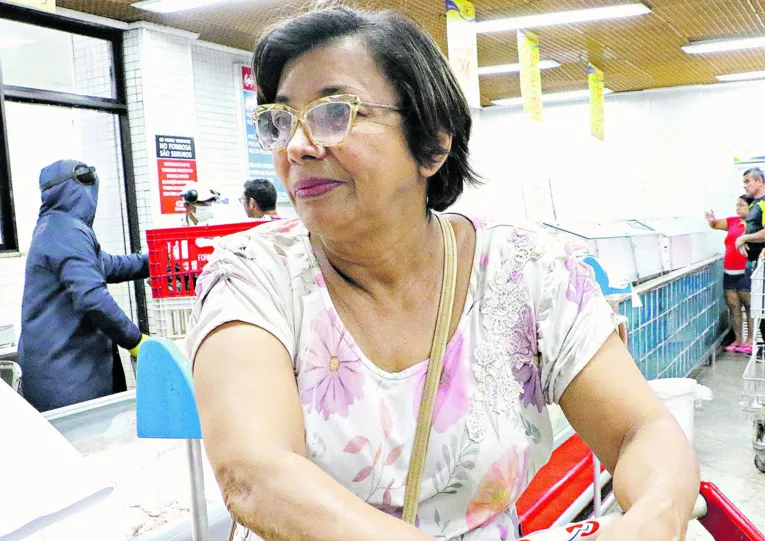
(283, 238)
(493, 233)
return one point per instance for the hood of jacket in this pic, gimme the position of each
(77, 200)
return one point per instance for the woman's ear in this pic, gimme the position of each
(445, 140)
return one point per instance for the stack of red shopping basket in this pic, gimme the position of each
(176, 259)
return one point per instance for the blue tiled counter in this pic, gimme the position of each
(682, 320)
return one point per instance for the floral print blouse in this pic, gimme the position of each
(533, 318)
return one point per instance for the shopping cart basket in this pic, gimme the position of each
(754, 374)
(713, 510)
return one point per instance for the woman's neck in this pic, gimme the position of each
(383, 259)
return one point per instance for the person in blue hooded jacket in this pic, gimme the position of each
(70, 324)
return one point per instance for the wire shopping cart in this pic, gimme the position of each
(754, 374)
(713, 510)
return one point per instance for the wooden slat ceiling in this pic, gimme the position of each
(635, 53)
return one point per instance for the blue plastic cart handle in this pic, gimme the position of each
(165, 403)
(602, 278)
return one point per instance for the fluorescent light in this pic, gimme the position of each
(11, 42)
(562, 17)
(556, 96)
(741, 76)
(171, 6)
(514, 68)
(722, 45)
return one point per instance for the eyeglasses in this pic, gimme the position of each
(81, 173)
(327, 121)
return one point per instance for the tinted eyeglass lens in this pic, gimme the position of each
(274, 128)
(328, 122)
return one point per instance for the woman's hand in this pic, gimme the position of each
(710, 216)
(741, 245)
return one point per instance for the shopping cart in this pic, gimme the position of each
(713, 510)
(754, 374)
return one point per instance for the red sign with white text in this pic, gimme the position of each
(248, 81)
(176, 165)
(173, 175)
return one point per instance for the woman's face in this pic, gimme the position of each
(742, 208)
(372, 173)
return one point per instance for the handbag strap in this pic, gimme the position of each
(435, 367)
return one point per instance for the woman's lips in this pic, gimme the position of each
(312, 187)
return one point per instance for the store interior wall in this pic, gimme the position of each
(668, 153)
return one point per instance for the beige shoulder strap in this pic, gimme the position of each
(435, 366)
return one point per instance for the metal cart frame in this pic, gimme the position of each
(754, 374)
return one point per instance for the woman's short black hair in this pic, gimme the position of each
(746, 197)
(428, 91)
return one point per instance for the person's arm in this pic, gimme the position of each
(254, 435)
(714, 223)
(79, 269)
(757, 237)
(655, 470)
(124, 268)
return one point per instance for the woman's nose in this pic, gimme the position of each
(301, 147)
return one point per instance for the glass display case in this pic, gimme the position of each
(685, 241)
(633, 251)
(629, 250)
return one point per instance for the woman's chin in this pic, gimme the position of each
(319, 218)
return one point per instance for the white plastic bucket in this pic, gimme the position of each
(679, 396)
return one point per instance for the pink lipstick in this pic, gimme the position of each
(313, 187)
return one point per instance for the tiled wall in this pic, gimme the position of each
(679, 323)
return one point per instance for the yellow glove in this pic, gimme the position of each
(134, 351)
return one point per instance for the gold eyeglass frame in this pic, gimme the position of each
(351, 99)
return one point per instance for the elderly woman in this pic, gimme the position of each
(313, 339)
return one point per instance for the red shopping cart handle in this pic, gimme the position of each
(715, 512)
(724, 520)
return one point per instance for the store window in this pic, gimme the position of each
(63, 96)
(52, 60)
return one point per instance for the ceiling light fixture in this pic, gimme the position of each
(11, 42)
(514, 68)
(722, 45)
(562, 17)
(171, 6)
(547, 98)
(747, 76)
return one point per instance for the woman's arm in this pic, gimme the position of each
(254, 436)
(656, 473)
(722, 225)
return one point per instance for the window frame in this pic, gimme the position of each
(117, 105)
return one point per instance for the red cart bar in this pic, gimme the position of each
(715, 512)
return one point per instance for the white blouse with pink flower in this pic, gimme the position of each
(533, 318)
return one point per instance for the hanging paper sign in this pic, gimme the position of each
(531, 78)
(463, 48)
(597, 101)
(176, 167)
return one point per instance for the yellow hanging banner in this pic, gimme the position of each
(463, 47)
(597, 101)
(45, 5)
(531, 78)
